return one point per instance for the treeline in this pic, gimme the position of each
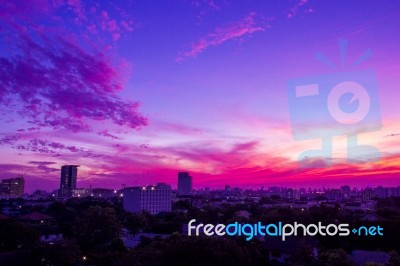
(91, 235)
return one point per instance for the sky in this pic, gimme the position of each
(135, 91)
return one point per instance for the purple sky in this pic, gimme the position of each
(134, 91)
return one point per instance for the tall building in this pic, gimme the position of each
(153, 199)
(12, 187)
(184, 184)
(69, 175)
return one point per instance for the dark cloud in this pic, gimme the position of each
(38, 145)
(393, 135)
(44, 166)
(41, 163)
(51, 71)
(105, 133)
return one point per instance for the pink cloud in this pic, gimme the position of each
(173, 127)
(64, 86)
(24, 9)
(214, 156)
(56, 75)
(211, 4)
(212, 163)
(78, 15)
(46, 147)
(275, 171)
(204, 7)
(92, 28)
(234, 31)
(39, 146)
(293, 10)
(127, 25)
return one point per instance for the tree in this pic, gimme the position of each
(394, 259)
(62, 253)
(14, 235)
(97, 227)
(183, 250)
(334, 257)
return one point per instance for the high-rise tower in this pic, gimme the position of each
(69, 175)
(184, 184)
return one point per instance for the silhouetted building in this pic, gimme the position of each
(12, 187)
(184, 184)
(153, 199)
(103, 193)
(81, 192)
(367, 194)
(69, 175)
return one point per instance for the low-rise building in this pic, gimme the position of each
(153, 199)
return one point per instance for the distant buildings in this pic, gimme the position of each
(367, 194)
(153, 199)
(81, 192)
(184, 184)
(334, 194)
(69, 175)
(39, 194)
(103, 193)
(12, 187)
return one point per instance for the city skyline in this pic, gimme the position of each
(183, 192)
(134, 94)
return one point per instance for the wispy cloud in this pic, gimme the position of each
(393, 135)
(55, 72)
(210, 4)
(48, 148)
(205, 7)
(91, 20)
(106, 133)
(234, 31)
(300, 4)
(44, 166)
(174, 127)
